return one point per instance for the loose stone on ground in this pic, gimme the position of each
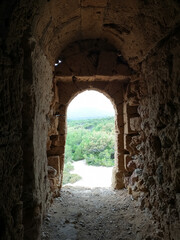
(98, 213)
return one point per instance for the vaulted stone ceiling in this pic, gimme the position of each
(133, 27)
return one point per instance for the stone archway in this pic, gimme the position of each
(88, 65)
(71, 90)
(33, 34)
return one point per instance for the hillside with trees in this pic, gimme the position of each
(92, 140)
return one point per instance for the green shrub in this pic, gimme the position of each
(91, 139)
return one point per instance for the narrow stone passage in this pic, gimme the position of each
(97, 214)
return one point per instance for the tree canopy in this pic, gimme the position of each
(92, 140)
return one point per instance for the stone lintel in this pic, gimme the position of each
(121, 78)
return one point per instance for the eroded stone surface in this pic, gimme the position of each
(33, 34)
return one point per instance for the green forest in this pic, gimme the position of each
(91, 140)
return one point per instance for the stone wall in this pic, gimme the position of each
(151, 112)
(160, 150)
(25, 95)
(133, 136)
(37, 101)
(11, 169)
(11, 94)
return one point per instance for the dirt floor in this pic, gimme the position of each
(97, 214)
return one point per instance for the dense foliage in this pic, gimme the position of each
(92, 140)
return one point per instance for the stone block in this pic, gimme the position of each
(127, 159)
(54, 161)
(127, 141)
(119, 120)
(132, 89)
(136, 140)
(131, 166)
(60, 142)
(62, 126)
(135, 124)
(117, 179)
(133, 101)
(52, 172)
(131, 124)
(61, 163)
(53, 120)
(120, 142)
(131, 110)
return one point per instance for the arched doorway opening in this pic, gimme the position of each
(91, 64)
(90, 141)
(66, 91)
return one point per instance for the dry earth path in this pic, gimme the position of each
(91, 176)
(97, 214)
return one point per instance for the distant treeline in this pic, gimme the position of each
(92, 140)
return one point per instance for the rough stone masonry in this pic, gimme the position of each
(131, 46)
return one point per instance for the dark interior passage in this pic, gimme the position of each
(52, 50)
